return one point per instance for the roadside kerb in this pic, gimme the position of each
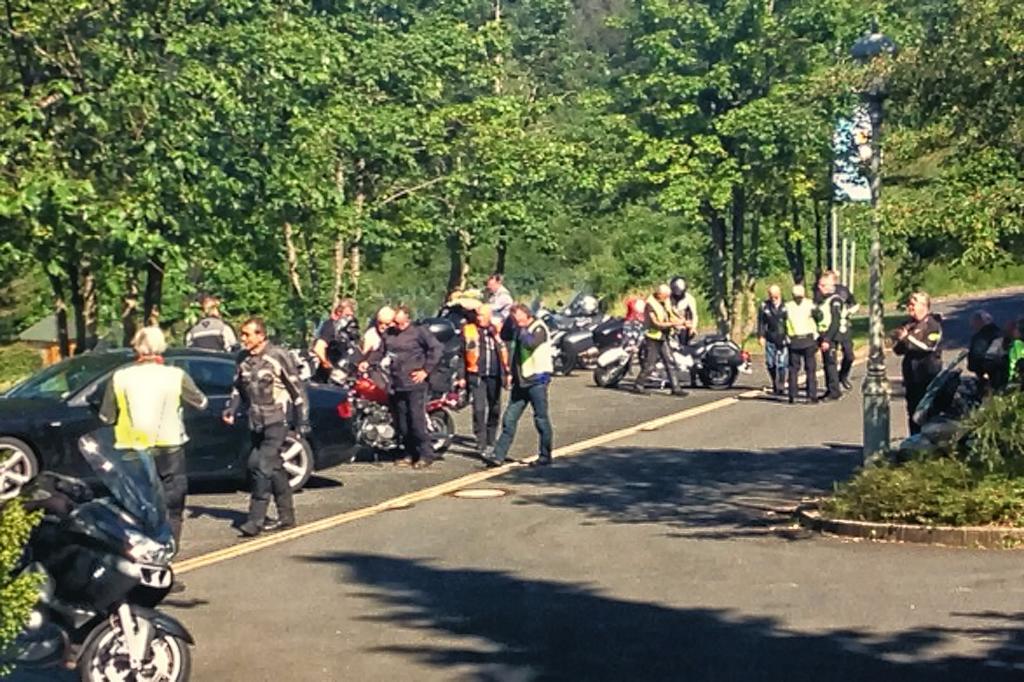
(970, 537)
(409, 499)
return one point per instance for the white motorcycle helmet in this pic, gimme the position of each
(588, 305)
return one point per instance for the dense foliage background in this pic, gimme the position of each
(282, 152)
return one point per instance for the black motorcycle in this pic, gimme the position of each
(714, 361)
(572, 342)
(102, 565)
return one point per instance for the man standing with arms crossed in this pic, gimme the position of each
(267, 381)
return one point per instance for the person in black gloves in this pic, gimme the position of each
(267, 381)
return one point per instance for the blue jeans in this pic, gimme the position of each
(777, 359)
(537, 397)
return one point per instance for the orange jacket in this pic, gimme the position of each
(471, 348)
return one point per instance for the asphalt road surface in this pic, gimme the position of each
(666, 554)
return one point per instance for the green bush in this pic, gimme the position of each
(17, 361)
(929, 492)
(995, 441)
(17, 593)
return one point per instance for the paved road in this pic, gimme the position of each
(661, 556)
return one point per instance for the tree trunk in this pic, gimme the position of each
(458, 269)
(78, 304)
(293, 261)
(154, 292)
(501, 253)
(130, 309)
(60, 313)
(818, 241)
(355, 252)
(90, 307)
(794, 246)
(739, 262)
(753, 272)
(719, 295)
(339, 267)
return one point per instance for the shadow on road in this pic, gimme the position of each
(713, 494)
(518, 629)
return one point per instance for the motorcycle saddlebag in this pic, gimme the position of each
(576, 342)
(608, 333)
(723, 353)
(442, 329)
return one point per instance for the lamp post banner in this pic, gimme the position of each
(851, 144)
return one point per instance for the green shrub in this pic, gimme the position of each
(17, 361)
(995, 441)
(930, 492)
(17, 593)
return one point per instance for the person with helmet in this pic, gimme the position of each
(831, 323)
(660, 319)
(685, 306)
(211, 332)
(802, 331)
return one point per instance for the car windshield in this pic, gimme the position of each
(131, 478)
(66, 378)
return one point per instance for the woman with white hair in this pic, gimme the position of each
(143, 401)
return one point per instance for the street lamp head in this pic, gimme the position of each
(873, 44)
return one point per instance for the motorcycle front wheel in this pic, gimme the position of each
(106, 658)
(610, 376)
(441, 427)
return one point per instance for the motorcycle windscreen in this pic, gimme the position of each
(132, 479)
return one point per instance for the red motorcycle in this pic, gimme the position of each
(369, 407)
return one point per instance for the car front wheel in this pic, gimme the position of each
(18, 466)
(298, 460)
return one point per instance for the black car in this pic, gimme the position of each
(42, 418)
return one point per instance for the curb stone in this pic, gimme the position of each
(970, 537)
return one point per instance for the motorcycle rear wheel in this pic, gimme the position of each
(718, 378)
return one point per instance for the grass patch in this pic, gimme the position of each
(17, 361)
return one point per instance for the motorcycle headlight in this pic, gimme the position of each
(146, 550)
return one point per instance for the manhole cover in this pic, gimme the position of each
(479, 493)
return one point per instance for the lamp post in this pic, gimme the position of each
(870, 47)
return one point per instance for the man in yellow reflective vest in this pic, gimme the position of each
(802, 330)
(661, 319)
(144, 400)
(831, 325)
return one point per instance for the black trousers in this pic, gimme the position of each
(411, 423)
(653, 351)
(170, 465)
(486, 394)
(915, 391)
(846, 344)
(808, 356)
(268, 476)
(828, 360)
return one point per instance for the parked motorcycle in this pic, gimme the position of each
(102, 566)
(950, 397)
(571, 330)
(714, 361)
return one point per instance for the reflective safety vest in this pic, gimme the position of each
(539, 360)
(660, 313)
(148, 396)
(825, 310)
(800, 319)
(471, 334)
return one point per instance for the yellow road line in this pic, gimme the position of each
(432, 492)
